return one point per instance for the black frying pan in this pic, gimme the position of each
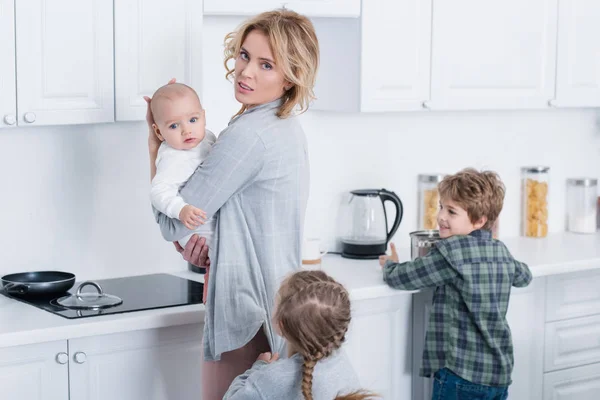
(37, 284)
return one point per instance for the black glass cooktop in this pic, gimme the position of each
(145, 292)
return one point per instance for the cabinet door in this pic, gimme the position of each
(312, 8)
(581, 383)
(155, 364)
(578, 63)
(35, 372)
(400, 29)
(422, 387)
(525, 317)
(379, 345)
(8, 92)
(495, 54)
(147, 54)
(64, 61)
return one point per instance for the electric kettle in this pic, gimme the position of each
(365, 234)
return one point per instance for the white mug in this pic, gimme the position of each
(311, 251)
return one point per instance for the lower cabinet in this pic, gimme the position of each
(155, 364)
(581, 383)
(379, 345)
(35, 372)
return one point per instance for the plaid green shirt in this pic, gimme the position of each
(467, 332)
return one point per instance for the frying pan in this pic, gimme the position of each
(37, 284)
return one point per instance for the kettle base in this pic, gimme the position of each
(363, 251)
(361, 256)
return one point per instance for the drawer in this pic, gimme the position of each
(572, 295)
(581, 383)
(572, 343)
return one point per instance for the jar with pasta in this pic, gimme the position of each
(535, 201)
(429, 200)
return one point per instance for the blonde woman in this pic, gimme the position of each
(313, 314)
(256, 179)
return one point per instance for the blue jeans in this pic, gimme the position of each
(448, 386)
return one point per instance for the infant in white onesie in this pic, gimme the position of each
(180, 124)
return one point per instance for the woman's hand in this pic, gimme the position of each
(195, 251)
(267, 357)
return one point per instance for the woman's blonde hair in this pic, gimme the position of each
(313, 312)
(294, 44)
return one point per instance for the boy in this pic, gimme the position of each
(468, 346)
(179, 123)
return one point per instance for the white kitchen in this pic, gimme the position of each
(406, 90)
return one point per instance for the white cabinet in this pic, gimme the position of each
(64, 52)
(154, 42)
(578, 62)
(384, 64)
(573, 295)
(35, 372)
(312, 8)
(525, 317)
(572, 342)
(8, 89)
(423, 301)
(581, 383)
(495, 54)
(157, 364)
(379, 345)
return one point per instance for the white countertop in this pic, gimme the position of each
(24, 324)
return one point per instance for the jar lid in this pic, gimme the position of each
(582, 182)
(536, 169)
(431, 178)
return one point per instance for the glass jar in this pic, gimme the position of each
(535, 201)
(581, 205)
(429, 200)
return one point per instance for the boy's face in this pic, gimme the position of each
(180, 121)
(453, 220)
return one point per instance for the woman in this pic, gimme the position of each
(256, 178)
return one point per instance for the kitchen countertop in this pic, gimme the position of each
(24, 324)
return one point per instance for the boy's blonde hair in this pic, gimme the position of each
(313, 313)
(294, 44)
(481, 194)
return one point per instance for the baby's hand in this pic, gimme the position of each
(267, 357)
(192, 217)
(393, 257)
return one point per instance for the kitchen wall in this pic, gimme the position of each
(76, 197)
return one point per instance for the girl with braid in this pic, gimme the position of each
(312, 312)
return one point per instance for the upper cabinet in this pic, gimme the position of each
(578, 62)
(380, 62)
(311, 8)
(495, 54)
(8, 88)
(64, 53)
(147, 54)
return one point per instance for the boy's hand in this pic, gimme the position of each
(192, 217)
(393, 257)
(267, 357)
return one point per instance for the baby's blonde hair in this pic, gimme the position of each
(294, 44)
(313, 312)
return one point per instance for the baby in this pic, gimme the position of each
(180, 126)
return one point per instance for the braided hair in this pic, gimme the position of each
(313, 312)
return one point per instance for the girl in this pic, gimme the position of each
(312, 313)
(256, 179)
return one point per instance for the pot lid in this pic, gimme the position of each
(89, 301)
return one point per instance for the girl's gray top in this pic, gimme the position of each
(282, 379)
(256, 180)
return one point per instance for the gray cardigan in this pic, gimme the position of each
(256, 179)
(282, 380)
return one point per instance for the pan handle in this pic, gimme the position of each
(15, 288)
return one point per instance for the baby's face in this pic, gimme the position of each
(180, 121)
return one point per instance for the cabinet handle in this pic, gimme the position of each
(426, 105)
(80, 357)
(552, 103)
(9, 119)
(62, 358)
(29, 117)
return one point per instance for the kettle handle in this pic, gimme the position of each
(387, 195)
